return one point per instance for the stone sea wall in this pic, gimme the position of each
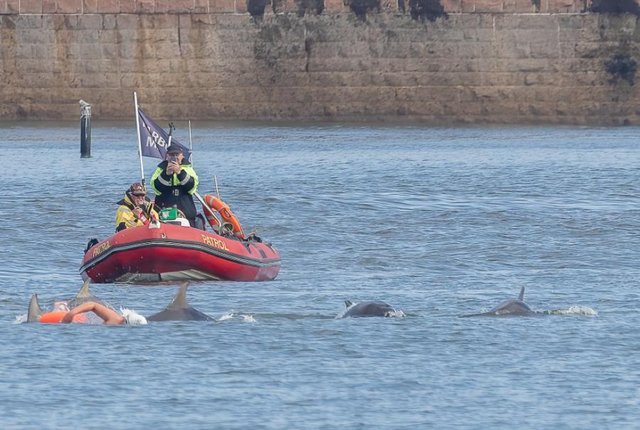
(476, 61)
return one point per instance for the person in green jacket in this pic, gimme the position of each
(174, 182)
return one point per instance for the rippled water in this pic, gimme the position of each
(439, 222)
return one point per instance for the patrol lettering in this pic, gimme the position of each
(216, 243)
(99, 249)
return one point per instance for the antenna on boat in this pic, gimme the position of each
(190, 145)
(171, 128)
(215, 181)
(135, 101)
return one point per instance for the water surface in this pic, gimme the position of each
(438, 222)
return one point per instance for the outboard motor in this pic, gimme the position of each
(90, 244)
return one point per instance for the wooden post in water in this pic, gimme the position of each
(85, 129)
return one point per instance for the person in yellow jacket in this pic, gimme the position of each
(134, 209)
(174, 183)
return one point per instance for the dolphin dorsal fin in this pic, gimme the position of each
(180, 300)
(84, 291)
(35, 311)
(348, 303)
(521, 296)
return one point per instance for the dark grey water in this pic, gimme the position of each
(438, 222)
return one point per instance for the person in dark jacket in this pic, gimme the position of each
(174, 182)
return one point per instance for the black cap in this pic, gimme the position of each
(174, 149)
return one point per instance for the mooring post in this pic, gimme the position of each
(85, 129)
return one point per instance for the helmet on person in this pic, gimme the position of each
(137, 189)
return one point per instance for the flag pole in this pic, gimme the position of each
(190, 145)
(135, 100)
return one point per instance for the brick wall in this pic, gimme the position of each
(239, 6)
(477, 66)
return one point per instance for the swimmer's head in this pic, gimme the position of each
(132, 317)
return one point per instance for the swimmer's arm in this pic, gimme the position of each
(109, 316)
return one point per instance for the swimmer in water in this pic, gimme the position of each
(108, 315)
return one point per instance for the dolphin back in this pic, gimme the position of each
(180, 300)
(84, 292)
(179, 309)
(35, 311)
(368, 309)
(186, 314)
(508, 307)
(84, 295)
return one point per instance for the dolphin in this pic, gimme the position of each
(367, 309)
(179, 309)
(35, 311)
(84, 295)
(509, 307)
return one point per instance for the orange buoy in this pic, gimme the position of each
(225, 211)
(213, 221)
(55, 317)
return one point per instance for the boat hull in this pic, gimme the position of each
(167, 252)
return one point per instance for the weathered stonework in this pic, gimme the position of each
(489, 61)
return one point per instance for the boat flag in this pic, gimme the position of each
(154, 140)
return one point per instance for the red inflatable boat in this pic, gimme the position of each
(169, 252)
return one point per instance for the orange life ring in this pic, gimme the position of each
(213, 221)
(55, 317)
(225, 211)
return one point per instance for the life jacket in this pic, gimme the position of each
(55, 317)
(126, 217)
